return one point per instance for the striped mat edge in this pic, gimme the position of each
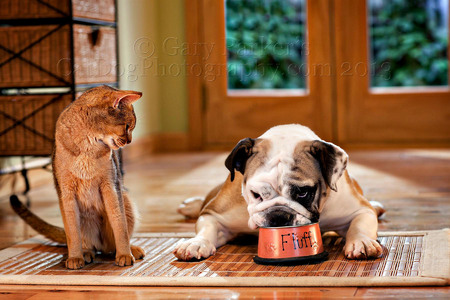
(434, 269)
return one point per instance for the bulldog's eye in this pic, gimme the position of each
(302, 194)
(256, 195)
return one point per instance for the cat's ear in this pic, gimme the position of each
(126, 97)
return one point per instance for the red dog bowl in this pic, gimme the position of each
(290, 245)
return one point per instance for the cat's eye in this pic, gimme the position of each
(127, 127)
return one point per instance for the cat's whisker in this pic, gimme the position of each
(121, 142)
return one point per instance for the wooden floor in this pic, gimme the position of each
(414, 186)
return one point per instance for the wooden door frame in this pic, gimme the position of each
(363, 112)
(196, 83)
(194, 36)
(349, 122)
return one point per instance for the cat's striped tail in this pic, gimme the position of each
(52, 232)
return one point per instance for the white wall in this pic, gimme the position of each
(151, 39)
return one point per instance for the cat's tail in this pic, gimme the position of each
(52, 232)
(191, 207)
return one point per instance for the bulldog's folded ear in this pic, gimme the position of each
(332, 160)
(239, 155)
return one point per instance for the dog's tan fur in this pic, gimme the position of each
(97, 213)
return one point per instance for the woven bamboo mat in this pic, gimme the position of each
(409, 258)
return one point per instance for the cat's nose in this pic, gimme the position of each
(129, 138)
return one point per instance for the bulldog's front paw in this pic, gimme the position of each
(362, 248)
(195, 248)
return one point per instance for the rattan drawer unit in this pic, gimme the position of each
(103, 10)
(41, 56)
(27, 122)
(64, 46)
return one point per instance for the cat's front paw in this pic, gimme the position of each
(124, 260)
(137, 252)
(89, 256)
(195, 248)
(75, 263)
(362, 247)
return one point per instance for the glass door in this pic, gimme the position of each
(269, 64)
(359, 73)
(392, 72)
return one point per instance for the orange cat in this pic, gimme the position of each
(97, 213)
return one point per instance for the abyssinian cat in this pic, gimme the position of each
(96, 211)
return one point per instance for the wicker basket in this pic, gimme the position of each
(95, 54)
(33, 9)
(40, 56)
(35, 52)
(27, 123)
(94, 9)
(41, 49)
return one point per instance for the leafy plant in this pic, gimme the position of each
(265, 42)
(409, 40)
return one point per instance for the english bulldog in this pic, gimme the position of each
(286, 177)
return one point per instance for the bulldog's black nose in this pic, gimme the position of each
(279, 218)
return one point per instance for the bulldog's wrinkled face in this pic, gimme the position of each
(284, 190)
(288, 174)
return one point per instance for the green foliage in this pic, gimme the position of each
(266, 48)
(409, 43)
(265, 42)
